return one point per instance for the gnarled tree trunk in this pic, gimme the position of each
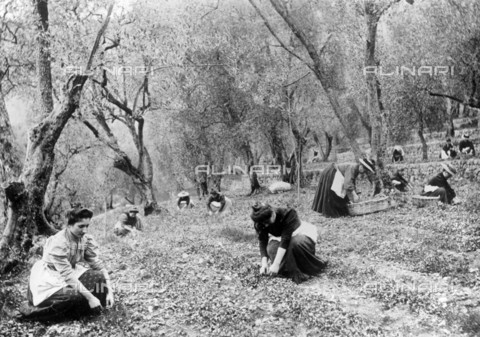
(9, 162)
(132, 118)
(26, 196)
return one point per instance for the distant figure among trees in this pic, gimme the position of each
(287, 242)
(60, 287)
(254, 183)
(337, 187)
(184, 201)
(202, 185)
(439, 186)
(448, 150)
(398, 154)
(466, 146)
(128, 222)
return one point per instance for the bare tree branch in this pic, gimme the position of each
(99, 37)
(472, 103)
(214, 9)
(111, 98)
(284, 46)
(297, 80)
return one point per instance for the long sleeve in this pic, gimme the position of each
(209, 201)
(400, 178)
(59, 257)
(91, 254)
(262, 241)
(139, 224)
(222, 201)
(291, 222)
(350, 173)
(287, 221)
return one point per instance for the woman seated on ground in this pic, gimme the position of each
(225, 203)
(287, 242)
(128, 222)
(184, 201)
(337, 187)
(60, 287)
(439, 186)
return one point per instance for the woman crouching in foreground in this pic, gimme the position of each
(59, 286)
(287, 242)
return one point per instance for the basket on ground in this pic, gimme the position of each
(369, 206)
(422, 201)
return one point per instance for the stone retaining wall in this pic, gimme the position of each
(468, 171)
(417, 173)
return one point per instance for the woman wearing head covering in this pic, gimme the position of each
(337, 187)
(184, 201)
(287, 242)
(439, 186)
(59, 285)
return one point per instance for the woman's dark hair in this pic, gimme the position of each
(261, 213)
(74, 215)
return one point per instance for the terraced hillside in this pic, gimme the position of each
(404, 272)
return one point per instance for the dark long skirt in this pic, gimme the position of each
(67, 303)
(300, 261)
(326, 201)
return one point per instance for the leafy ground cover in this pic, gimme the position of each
(405, 272)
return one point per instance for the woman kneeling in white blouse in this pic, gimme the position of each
(59, 285)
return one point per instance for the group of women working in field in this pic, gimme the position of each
(337, 186)
(60, 286)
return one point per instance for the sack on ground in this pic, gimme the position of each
(279, 186)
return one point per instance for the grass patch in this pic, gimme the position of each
(236, 234)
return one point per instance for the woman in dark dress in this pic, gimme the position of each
(333, 204)
(287, 242)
